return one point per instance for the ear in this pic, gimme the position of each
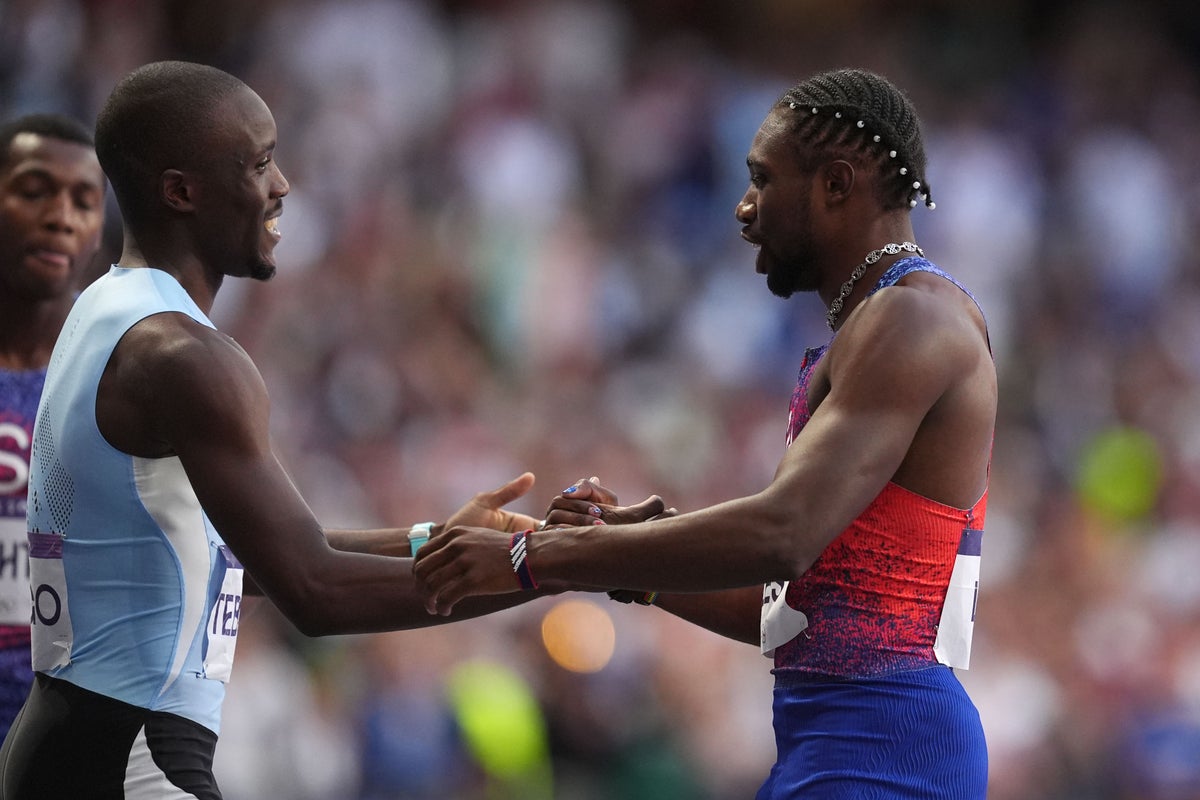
(177, 190)
(837, 181)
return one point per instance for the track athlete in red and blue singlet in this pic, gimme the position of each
(868, 536)
(864, 692)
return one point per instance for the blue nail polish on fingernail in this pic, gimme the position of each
(571, 490)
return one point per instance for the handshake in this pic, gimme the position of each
(483, 549)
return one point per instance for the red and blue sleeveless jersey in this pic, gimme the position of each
(875, 597)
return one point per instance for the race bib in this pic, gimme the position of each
(14, 572)
(952, 646)
(221, 636)
(780, 623)
(50, 621)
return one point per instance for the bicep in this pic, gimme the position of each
(213, 412)
(884, 377)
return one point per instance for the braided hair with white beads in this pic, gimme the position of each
(856, 114)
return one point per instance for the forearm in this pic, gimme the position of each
(736, 544)
(733, 614)
(367, 593)
(391, 542)
(774, 535)
(379, 542)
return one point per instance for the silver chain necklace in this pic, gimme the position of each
(889, 249)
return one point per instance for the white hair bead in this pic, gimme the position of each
(904, 170)
(892, 154)
(876, 137)
(861, 124)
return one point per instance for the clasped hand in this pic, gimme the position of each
(465, 560)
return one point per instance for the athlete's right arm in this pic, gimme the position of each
(175, 387)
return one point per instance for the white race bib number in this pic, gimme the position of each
(50, 620)
(952, 646)
(780, 623)
(221, 636)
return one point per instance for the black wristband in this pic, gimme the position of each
(629, 596)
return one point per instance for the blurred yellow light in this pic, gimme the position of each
(502, 725)
(1120, 474)
(579, 636)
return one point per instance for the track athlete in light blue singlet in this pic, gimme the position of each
(136, 597)
(153, 477)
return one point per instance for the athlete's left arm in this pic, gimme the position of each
(485, 510)
(897, 356)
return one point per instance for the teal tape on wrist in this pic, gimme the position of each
(418, 535)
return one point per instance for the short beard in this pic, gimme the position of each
(781, 285)
(786, 281)
(262, 272)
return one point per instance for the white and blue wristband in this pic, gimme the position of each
(520, 563)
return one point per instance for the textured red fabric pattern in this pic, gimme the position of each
(874, 597)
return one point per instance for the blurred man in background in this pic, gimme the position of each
(51, 216)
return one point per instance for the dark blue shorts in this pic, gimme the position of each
(16, 676)
(905, 736)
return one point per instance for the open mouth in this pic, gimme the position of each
(272, 228)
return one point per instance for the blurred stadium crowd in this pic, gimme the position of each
(510, 245)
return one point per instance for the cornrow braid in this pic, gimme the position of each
(852, 112)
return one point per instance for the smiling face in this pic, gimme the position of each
(776, 211)
(240, 190)
(51, 214)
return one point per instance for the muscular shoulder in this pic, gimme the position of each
(171, 378)
(924, 313)
(921, 336)
(172, 347)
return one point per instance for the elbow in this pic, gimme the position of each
(312, 625)
(307, 620)
(797, 566)
(790, 559)
(306, 611)
(789, 548)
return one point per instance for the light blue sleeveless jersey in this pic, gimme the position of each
(136, 596)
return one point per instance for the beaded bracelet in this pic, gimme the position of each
(520, 564)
